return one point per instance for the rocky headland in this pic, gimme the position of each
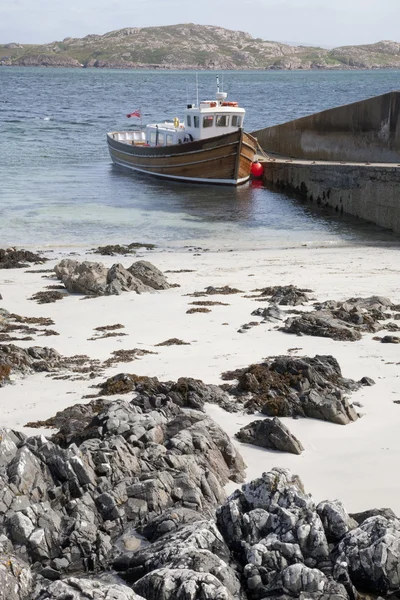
(190, 46)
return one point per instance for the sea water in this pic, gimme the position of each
(58, 186)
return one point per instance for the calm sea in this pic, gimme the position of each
(58, 186)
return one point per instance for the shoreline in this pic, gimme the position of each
(354, 462)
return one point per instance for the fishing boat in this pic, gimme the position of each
(208, 146)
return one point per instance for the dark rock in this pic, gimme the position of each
(390, 339)
(375, 512)
(11, 258)
(320, 325)
(367, 381)
(285, 295)
(291, 386)
(271, 434)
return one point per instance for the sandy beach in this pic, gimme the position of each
(355, 463)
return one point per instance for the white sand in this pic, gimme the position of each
(356, 463)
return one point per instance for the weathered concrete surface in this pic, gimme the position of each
(371, 192)
(364, 131)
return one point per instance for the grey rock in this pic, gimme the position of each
(320, 324)
(372, 554)
(271, 434)
(375, 512)
(15, 579)
(271, 313)
(121, 280)
(85, 277)
(171, 584)
(82, 589)
(149, 275)
(335, 520)
(25, 361)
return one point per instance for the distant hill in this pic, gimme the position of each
(191, 46)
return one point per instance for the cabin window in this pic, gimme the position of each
(222, 121)
(153, 136)
(196, 121)
(161, 139)
(189, 121)
(236, 121)
(208, 121)
(170, 139)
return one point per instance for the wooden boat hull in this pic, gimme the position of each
(225, 159)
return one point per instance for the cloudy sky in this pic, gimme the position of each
(322, 22)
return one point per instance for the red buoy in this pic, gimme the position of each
(257, 169)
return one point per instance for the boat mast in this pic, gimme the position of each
(197, 88)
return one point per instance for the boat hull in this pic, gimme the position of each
(225, 159)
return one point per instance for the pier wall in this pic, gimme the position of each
(368, 192)
(363, 131)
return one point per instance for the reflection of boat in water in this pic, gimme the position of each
(210, 146)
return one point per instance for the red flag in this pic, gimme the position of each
(136, 113)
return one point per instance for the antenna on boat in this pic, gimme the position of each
(187, 92)
(217, 84)
(197, 88)
(222, 83)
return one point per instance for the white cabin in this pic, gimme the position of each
(210, 119)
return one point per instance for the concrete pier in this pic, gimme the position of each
(347, 158)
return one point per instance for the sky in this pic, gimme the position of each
(320, 22)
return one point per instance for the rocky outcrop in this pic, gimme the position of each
(288, 386)
(271, 434)
(73, 588)
(11, 258)
(66, 510)
(24, 361)
(94, 279)
(344, 321)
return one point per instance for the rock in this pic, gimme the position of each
(149, 275)
(390, 339)
(271, 313)
(272, 524)
(335, 520)
(294, 386)
(320, 325)
(15, 578)
(367, 381)
(86, 277)
(94, 279)
(375, 512)
(185, 584)
(372, 554)
(11, 258)
(25, 361)
(121, 280)
(344, 321)
(81, 589)
(271, 434)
